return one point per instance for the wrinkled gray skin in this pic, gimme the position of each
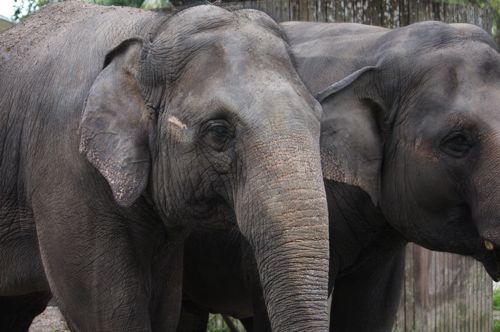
(121, 131)
(413, 138)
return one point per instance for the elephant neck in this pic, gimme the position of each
(359, 233)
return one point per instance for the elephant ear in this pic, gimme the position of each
(351, 142)
(114, 125)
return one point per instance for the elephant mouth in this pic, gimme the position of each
(489, 244)
(491, 260)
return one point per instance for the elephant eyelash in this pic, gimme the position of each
(457, 144)
(459, 133)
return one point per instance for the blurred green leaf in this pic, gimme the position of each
(23, 8)
(157, 4)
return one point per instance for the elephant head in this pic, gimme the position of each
(209, 121)
(419, 130)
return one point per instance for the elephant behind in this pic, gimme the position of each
(409, 145)
(120, 130)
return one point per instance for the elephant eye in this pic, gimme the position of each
(457, 144)
(217, 134)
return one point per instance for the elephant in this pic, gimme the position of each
(122, 131)
(409, 117)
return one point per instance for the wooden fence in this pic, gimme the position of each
(387, 13)
(442, 292)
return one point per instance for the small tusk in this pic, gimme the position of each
(489, 245)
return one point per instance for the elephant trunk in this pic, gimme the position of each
(485, 211)
(282, 212)
(486, 191)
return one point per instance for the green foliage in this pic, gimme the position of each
(130, 3)
(496, 326)
(495, 6)
(496, 299)
(156, 4)
(25, 7)
(216, 324)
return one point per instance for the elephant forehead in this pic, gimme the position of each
(237, 81)
(468, 58)
(272, 97)
(201, 26)
(225, 60)
(244, 47)
(456, 79)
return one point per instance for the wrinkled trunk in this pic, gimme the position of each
(282, 211)
(486, 186)
(484, 208)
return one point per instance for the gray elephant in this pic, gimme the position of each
(123, 130)
(411, 128)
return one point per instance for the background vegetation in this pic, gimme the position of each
(26, 7)
(495, 5)
(496, 306)
(496, 299)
